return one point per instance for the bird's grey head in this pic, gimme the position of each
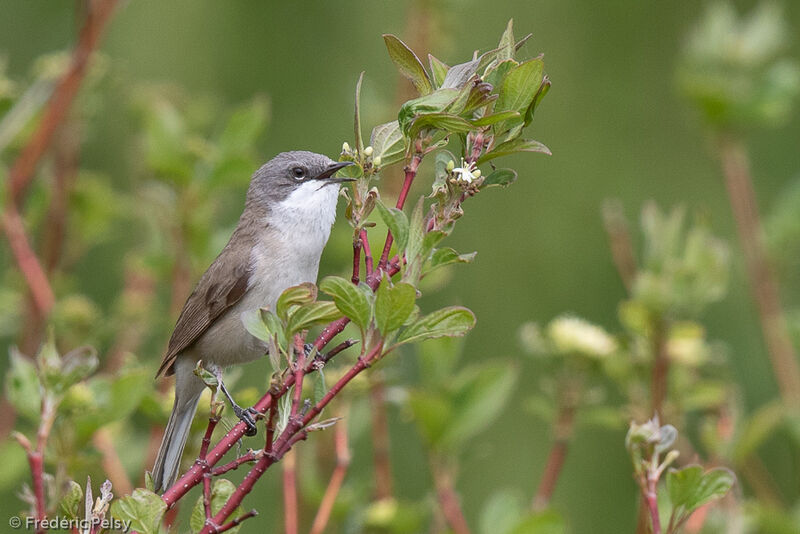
(309, 175)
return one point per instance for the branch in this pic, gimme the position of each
(448, 501)
(293, 433)
(619, 240)
(380, 440)
(562, 431)
(660, 374)
(651, 497)
(22, 171)
(411, 173)
(290, 492)
(738, 180)
(335, 484)
(27, 262)
(20, 175)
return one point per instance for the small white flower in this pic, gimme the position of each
(467, 172)
(572, 334)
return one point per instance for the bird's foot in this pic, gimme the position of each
(246, 416)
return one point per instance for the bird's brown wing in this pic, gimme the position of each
(222, 285)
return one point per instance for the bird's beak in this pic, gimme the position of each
(331, 170)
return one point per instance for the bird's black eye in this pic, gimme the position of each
(298, 173)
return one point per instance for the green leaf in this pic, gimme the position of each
(166, 152)
(495, 74)
(690, 488)
(446, 122)
(495, 118)
(416, 232)
(543, 89)
(254, 324)
(221, 491)
(431, 413)
(520, 86)
(76, 365)
(320, 387)
(243, 127)
(450, 321)
(397, 222)
(357, 117)
(460, 74)
(295, 296)
(512, 147)
(388, 143)
(480, 393)
(500, 177)
(393, 305)
(22, 385)
(757, 428)
(448, 256)
(144, 509)
(408, 63)
(547, 522)
(71, 502)
(349, 299)
(500, 513)
(432, 103)
(312, 314)
(506, 47)
(438, 70)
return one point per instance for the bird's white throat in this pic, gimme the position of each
(307, 214)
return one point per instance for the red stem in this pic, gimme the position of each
(290, 492)
(36, 462)
(290, 436)
(564, 425)
(448, 501)
(249, 456)
(64, 93)
(356, 260)
(380, 440)
(411, 172)
(335, 484)
(652, 504)
(367, 252)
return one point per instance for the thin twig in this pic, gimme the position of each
(21, 172)
(619, 239)
(367, 252)
(294, 432)
(337, 478)
(380, 440)
(660, 373)
(563, 429)
(110, 460)
(411, 173)
(738, 180)
(290, 492)
(448, 500)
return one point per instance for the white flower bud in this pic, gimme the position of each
(451, 165)
(477, 173)
(368, 151)
(376, 161)
(345, 147)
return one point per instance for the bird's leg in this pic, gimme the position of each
(245, 415)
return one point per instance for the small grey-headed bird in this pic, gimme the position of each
(287, 218)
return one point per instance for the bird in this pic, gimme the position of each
(289, 210)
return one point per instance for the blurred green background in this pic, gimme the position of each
(613, 119)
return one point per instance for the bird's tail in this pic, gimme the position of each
(165, 470)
